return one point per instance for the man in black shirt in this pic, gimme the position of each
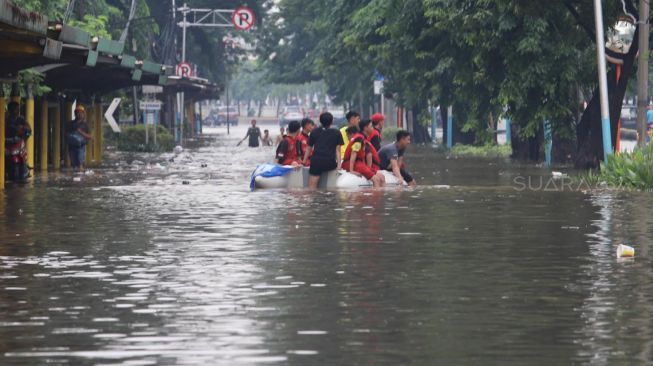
(254, 134)
(324, 143)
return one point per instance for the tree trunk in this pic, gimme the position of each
(589, 132)
(260, 108)
(420, 133)
(525, 148)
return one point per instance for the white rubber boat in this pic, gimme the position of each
(298, 178)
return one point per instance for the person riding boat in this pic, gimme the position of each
(361, 158)
(307, 127)
(353, 119)
(392, 158)
(324, 143)
(375, 137)
(289, 149)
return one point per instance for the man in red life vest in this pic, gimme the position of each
(307, 127)
(361, 158)
(288, 151)
(375, 137)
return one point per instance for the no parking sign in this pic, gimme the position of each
(243, 18)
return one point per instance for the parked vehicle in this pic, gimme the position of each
(338, 118)
(290, 113)
(224, 113)
(629, 116)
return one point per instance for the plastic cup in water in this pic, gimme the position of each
(624, 251)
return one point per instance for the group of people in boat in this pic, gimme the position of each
(356, 148)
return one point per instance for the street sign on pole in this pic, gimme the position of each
(243, 18)
(378, 87)
(109, 115)
(150, 105)
(152, 89)
(184, 69)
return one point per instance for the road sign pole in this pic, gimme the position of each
(147, 127)
(227, 90)
(603, 80)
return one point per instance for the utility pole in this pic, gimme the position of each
(603, 80)
(642, 73)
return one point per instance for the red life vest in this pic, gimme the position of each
(292, 154)
(374, 133)
(360, 138)
(303, 146)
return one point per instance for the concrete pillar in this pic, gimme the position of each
(90, 119)
(68, 110)
(44, 134)
(29, 117)
(15, 93)
(56, 136)
(97, 133)
(2, 137)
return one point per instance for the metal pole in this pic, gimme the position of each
(642, 73)
(603, 80)
(548, 143)
(508, 131)
(156, 125)
(434, 125)
(227, 89)
(2, 137)
(183, 59)
(183, 37)
(450, 127)
(147, 128)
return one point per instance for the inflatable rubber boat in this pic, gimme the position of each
(270, 176)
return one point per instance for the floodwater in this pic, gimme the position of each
(130, 266)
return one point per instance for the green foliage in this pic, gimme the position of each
(486, 151)
(389, 134)
(53, 9)
(95, 25)
(523, 59)
(133, 139)
(627, 170)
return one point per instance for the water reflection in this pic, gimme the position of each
(132, 266)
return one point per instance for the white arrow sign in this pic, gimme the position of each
(109, 115)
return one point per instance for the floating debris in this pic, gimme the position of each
(624, 251)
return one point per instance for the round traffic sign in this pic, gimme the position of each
(243, 18)
(184, 69)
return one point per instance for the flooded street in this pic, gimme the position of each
(178, 263)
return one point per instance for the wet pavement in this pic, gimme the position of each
(165, 262)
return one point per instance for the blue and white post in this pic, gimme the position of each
(603, 80)
(450, 127)
(508, 131)
(434, 124)
(548, 143)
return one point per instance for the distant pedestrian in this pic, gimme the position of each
(266, 139)
(280, 137)
(254, 135)
(78, 136)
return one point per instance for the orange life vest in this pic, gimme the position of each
(360, 155)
